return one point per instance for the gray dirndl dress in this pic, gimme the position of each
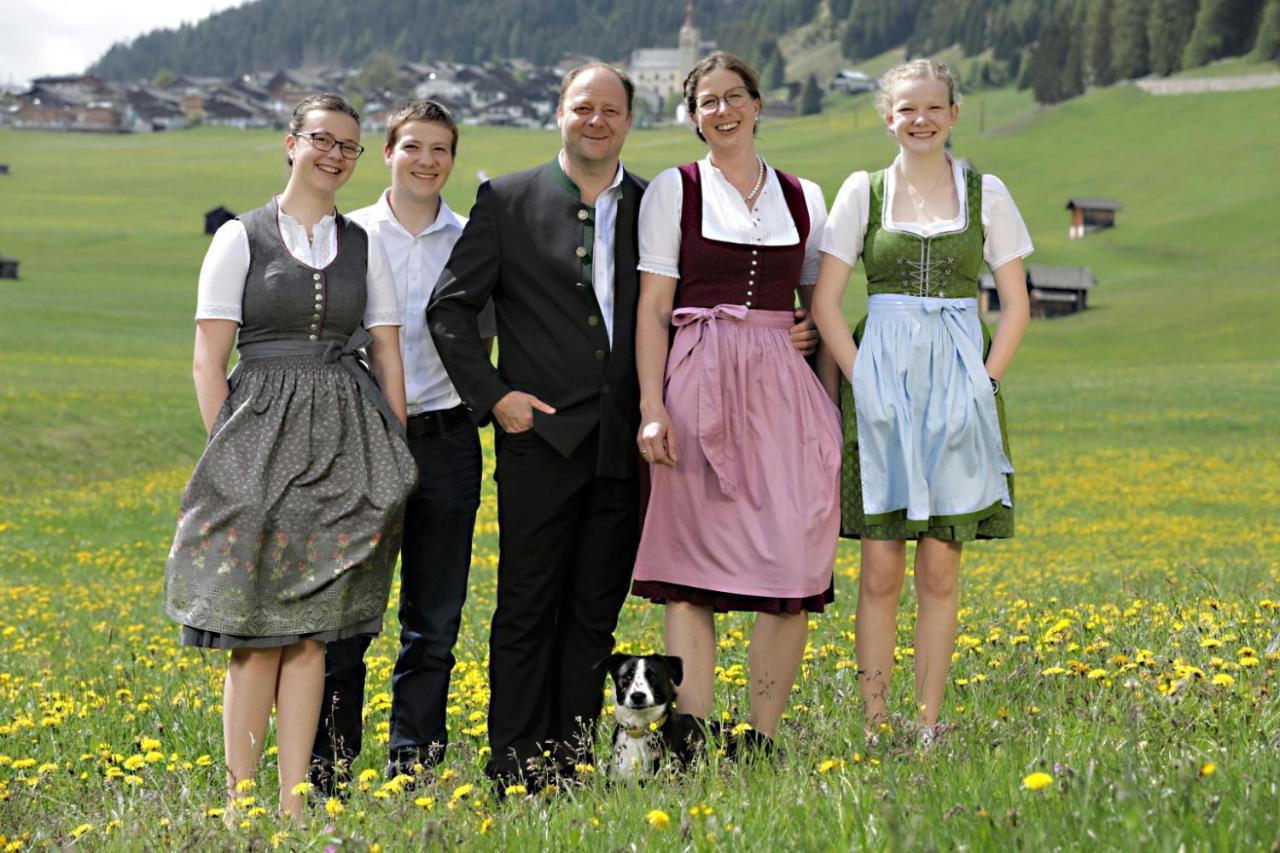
(291, 523)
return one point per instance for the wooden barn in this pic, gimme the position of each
(216, 218)
(1090, 213)
(1053, 291)
(8, 267)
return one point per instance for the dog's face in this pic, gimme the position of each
(645, 681)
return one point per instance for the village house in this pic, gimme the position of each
(76, 102)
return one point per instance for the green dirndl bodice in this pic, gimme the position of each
(935, 269)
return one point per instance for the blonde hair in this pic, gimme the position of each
(917, 69)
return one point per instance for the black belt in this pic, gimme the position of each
(437, 422)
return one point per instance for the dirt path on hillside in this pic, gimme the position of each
(1196, 85)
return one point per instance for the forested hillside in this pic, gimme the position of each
(1056, 47)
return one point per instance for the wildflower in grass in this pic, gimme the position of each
(204, 761)
(516, 790)
(214, 812)
(245, 785)
(461, 792)
(740, 729)
(1208, 769)
(830, 764)
(302, 789)
(426, 803)
(1036, 781)
(334, 807)
(81, 830)
(486, 825)
(1223, 680)
(658, 819)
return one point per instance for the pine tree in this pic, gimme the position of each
(775, 73)
(1097, 34)
(1129, 55)
(1222, 28)
(811, 97)
(1267, 46)
(1168, 28)
(1073, 68)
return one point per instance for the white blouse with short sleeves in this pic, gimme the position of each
(725, 218)
(221, 290)
(1005, 235)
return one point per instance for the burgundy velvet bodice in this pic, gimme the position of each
(717, 273)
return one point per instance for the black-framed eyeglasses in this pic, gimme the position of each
(734, 98)
(322, 141)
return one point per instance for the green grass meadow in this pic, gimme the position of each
(1118, 644)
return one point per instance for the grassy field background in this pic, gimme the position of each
(1117, 645)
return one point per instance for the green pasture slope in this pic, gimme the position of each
(1144, 432)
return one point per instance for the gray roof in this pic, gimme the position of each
(1061, 278)
(1092, 202)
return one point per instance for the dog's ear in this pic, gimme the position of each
(676, 666)
(610, 663)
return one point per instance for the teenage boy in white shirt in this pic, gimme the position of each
(418, 231)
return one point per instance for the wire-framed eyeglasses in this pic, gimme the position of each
(322, 141)
(734, 98)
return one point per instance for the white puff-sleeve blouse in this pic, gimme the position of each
(221, 290)
(725, 218)
(1005, 235)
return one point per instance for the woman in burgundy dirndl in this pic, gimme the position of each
(743, 442)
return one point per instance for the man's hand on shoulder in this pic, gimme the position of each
(804, 335)
(514, 412)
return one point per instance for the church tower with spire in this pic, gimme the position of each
(688, 44)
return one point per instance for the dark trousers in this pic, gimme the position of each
(568, 545)
(435, 559)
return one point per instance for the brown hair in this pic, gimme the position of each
(729, 62)
(421, 110)
(572, 74)
(327, 103)
(917, 69)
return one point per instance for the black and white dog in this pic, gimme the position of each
(649, 728)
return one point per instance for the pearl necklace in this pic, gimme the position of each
(760, 173)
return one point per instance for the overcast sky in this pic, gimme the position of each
(43, 37)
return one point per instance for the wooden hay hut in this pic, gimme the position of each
(216, 218)
(1052, 291)
(1090, 213)
(8, 267)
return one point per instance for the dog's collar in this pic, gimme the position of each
(643, 731)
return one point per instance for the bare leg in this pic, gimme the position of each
(690, 634)
(247, 695)
(938, 596)
(884, 563)
(777, 646)
(298, 699)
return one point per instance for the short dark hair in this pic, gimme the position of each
(326, 102)
(422, 109)
(719, 59)
(572, 74)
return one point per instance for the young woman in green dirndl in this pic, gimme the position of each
(926, 457)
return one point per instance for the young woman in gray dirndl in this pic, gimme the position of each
(290, 525)
(925, 453)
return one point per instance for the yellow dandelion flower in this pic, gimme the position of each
(24, 763)
(426, 803)
(245, 785)
(738, 730)
(830, 764)
(81, 830)
(368, 775)
(204, 761)
(658, 819)
(334, 807)
(1223, 680)
(1036, 781)
(134, 762)
(302, 789)
(214, 812)
(486, 825)
(148, 744)
(1095, 674)
(516, 790)
(1208, 769)
(461, 791)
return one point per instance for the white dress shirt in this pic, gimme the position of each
(726, 218)
(1005, 235)
(416, 262)
(221, 290)
(606, 225)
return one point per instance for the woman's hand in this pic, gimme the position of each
(656, 440)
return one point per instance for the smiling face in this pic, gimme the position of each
(322, 171)
(921, 115)
(593, 117)
(421, 159)
(727, 126)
